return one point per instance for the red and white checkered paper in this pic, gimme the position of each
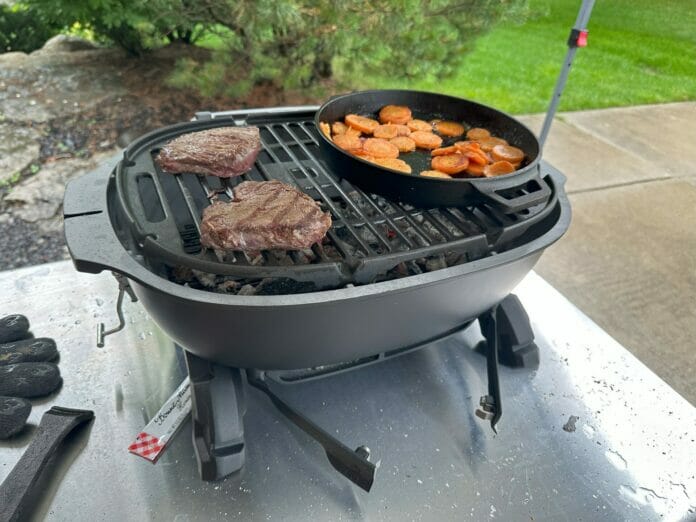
(147, 446)
(152, 441)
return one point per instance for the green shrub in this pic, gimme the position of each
(297, 44)
(293, 43)
(134, 25)
(24, 29)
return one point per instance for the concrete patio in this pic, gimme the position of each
(629, 258)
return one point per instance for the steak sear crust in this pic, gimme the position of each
(264, 215)
(225, 152)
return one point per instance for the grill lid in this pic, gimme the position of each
(370, 235)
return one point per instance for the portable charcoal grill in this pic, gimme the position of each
(365, 294)
(389, 279)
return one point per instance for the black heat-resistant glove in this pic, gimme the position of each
(13, 415)
(14, 328)
(32, 379)
(24, 372)
(42, 349)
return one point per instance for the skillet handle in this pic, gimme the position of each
(536, 191)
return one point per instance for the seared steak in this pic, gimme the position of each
(264, 215)
(224, 152)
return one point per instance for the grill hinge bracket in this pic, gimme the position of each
(123, 288)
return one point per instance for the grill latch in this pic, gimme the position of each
(123, 288)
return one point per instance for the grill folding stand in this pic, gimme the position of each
(218, 391)
(218, 402)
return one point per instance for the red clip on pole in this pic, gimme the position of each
(578, 38)
(582, 39)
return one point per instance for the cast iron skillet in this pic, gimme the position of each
(511, 192)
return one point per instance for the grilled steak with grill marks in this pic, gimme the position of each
(264, 215)
(225, 152)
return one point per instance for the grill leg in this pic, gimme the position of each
(352, 464)
(491, 405)
(510, 341)
(218, 408)
(516, 347)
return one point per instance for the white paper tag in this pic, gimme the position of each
(152, 440)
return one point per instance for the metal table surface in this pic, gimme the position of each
(632, 457)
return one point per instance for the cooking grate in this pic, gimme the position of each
(369, 236)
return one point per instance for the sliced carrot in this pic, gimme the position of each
(419, 125)
(467, 145)
(477, 157)
(366, 125)
(450, 164)
(380, 148)
(435, 174)
(444, 151)
(387, 131)
(477, 133)
(488, 143)
(475, 170)
(338, 127)
(449, 128)
(394, 114)
(325, 129)
(362, 153)
(404, 143)
(426, 140)
(498, 169)
(507, 153)
(402, 130)
(348, 143)
(350, 131)
(392, 163)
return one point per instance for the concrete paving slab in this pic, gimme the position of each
(589, 161)
(629, 262)
(664, 135)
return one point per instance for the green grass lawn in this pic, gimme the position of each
(640, 51)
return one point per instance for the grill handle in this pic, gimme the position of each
(89, 233)
(538, 191)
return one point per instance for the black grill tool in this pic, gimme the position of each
(17, 491)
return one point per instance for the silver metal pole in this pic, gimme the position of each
(579, 29)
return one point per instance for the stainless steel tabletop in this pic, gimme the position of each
(632, 456)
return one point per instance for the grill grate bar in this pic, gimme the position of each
(409, 216)
(327, 200)
(455, 219)
(209, 192)
(372, 203)
(228, 188)
(473, 218)
(394, 226)
(337, 186)
(500, 219)
(437, 225)
(190, 203)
